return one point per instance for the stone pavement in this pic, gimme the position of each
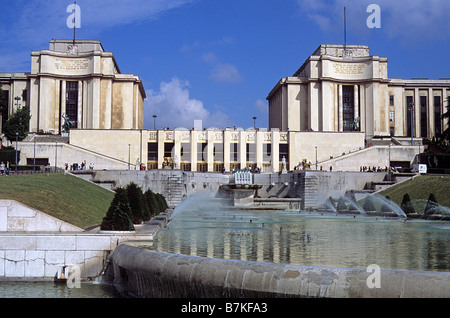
(144, 231)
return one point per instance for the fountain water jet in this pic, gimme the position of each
(196, 257)
(393, 207)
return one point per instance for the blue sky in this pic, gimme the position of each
(217, 60)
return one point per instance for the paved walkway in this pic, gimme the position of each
(147, 229)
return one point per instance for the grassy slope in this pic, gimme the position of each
(419, 189)
(65, 197)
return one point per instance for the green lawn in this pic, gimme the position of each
(65, 197)
(419, 190)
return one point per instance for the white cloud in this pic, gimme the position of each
(221, 72)
(225, 73)
(210, 57)
(175, 108)
(403, 19)
(262, 107)
(196, 45)
(31, 24)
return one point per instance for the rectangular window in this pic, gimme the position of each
(153, 151)
(267, 152)
(391, 100)
(72, 102)
(168, 149)
(218, 152)
(391, 116)
(185, 152)
(437, 116)
(284, 153)
(251, 153)
(423, 117)
(25, 96)
(349, 107)
(234, 153)
(202, 153)
(409, 114)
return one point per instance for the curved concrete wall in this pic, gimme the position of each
(146, 273)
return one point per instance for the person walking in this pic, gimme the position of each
(7, 168)
(2, 168)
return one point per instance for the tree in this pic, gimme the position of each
(162, 202)
(446, 134)
(118, 217)
(137, 203)
(385, 207)
(431, 207)
(3, 105)
(151, 202)
(406, 205)
(19, 123)
(341, 206)
(368, 204)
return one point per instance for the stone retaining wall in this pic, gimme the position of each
(145, 273)
(35, 246)
(43, 256)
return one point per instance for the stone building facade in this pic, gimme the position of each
(328, 112)
(78, 79)
(344, 88)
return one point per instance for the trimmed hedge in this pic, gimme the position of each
(119, 215)
(131, 206)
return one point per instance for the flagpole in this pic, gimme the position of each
(345, 29)
(74, 21)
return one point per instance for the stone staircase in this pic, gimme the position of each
(388, 182)
(47, 138)
(309, 190)
(174, 189)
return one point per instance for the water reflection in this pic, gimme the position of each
(52, 290)
(204, 229)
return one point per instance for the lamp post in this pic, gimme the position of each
(254, 122)
(154, 122)
(56, 155)
(316, 158)
(34, 155)
(129, 155)
(17, 99)
(389, 160)
(17, 140)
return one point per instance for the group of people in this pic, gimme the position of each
(373, 169)
(4, 168)
(82, 166)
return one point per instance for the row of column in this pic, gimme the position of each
(359, 107)
(430, 110)
(224, 137)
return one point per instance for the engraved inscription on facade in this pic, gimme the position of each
(218, 136)
(349, 69)
(152, 136)
(72, 64)
(169, 136)
(185, 136)
(202, 136)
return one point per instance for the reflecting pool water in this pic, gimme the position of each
(52, 290)
(204, 227)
